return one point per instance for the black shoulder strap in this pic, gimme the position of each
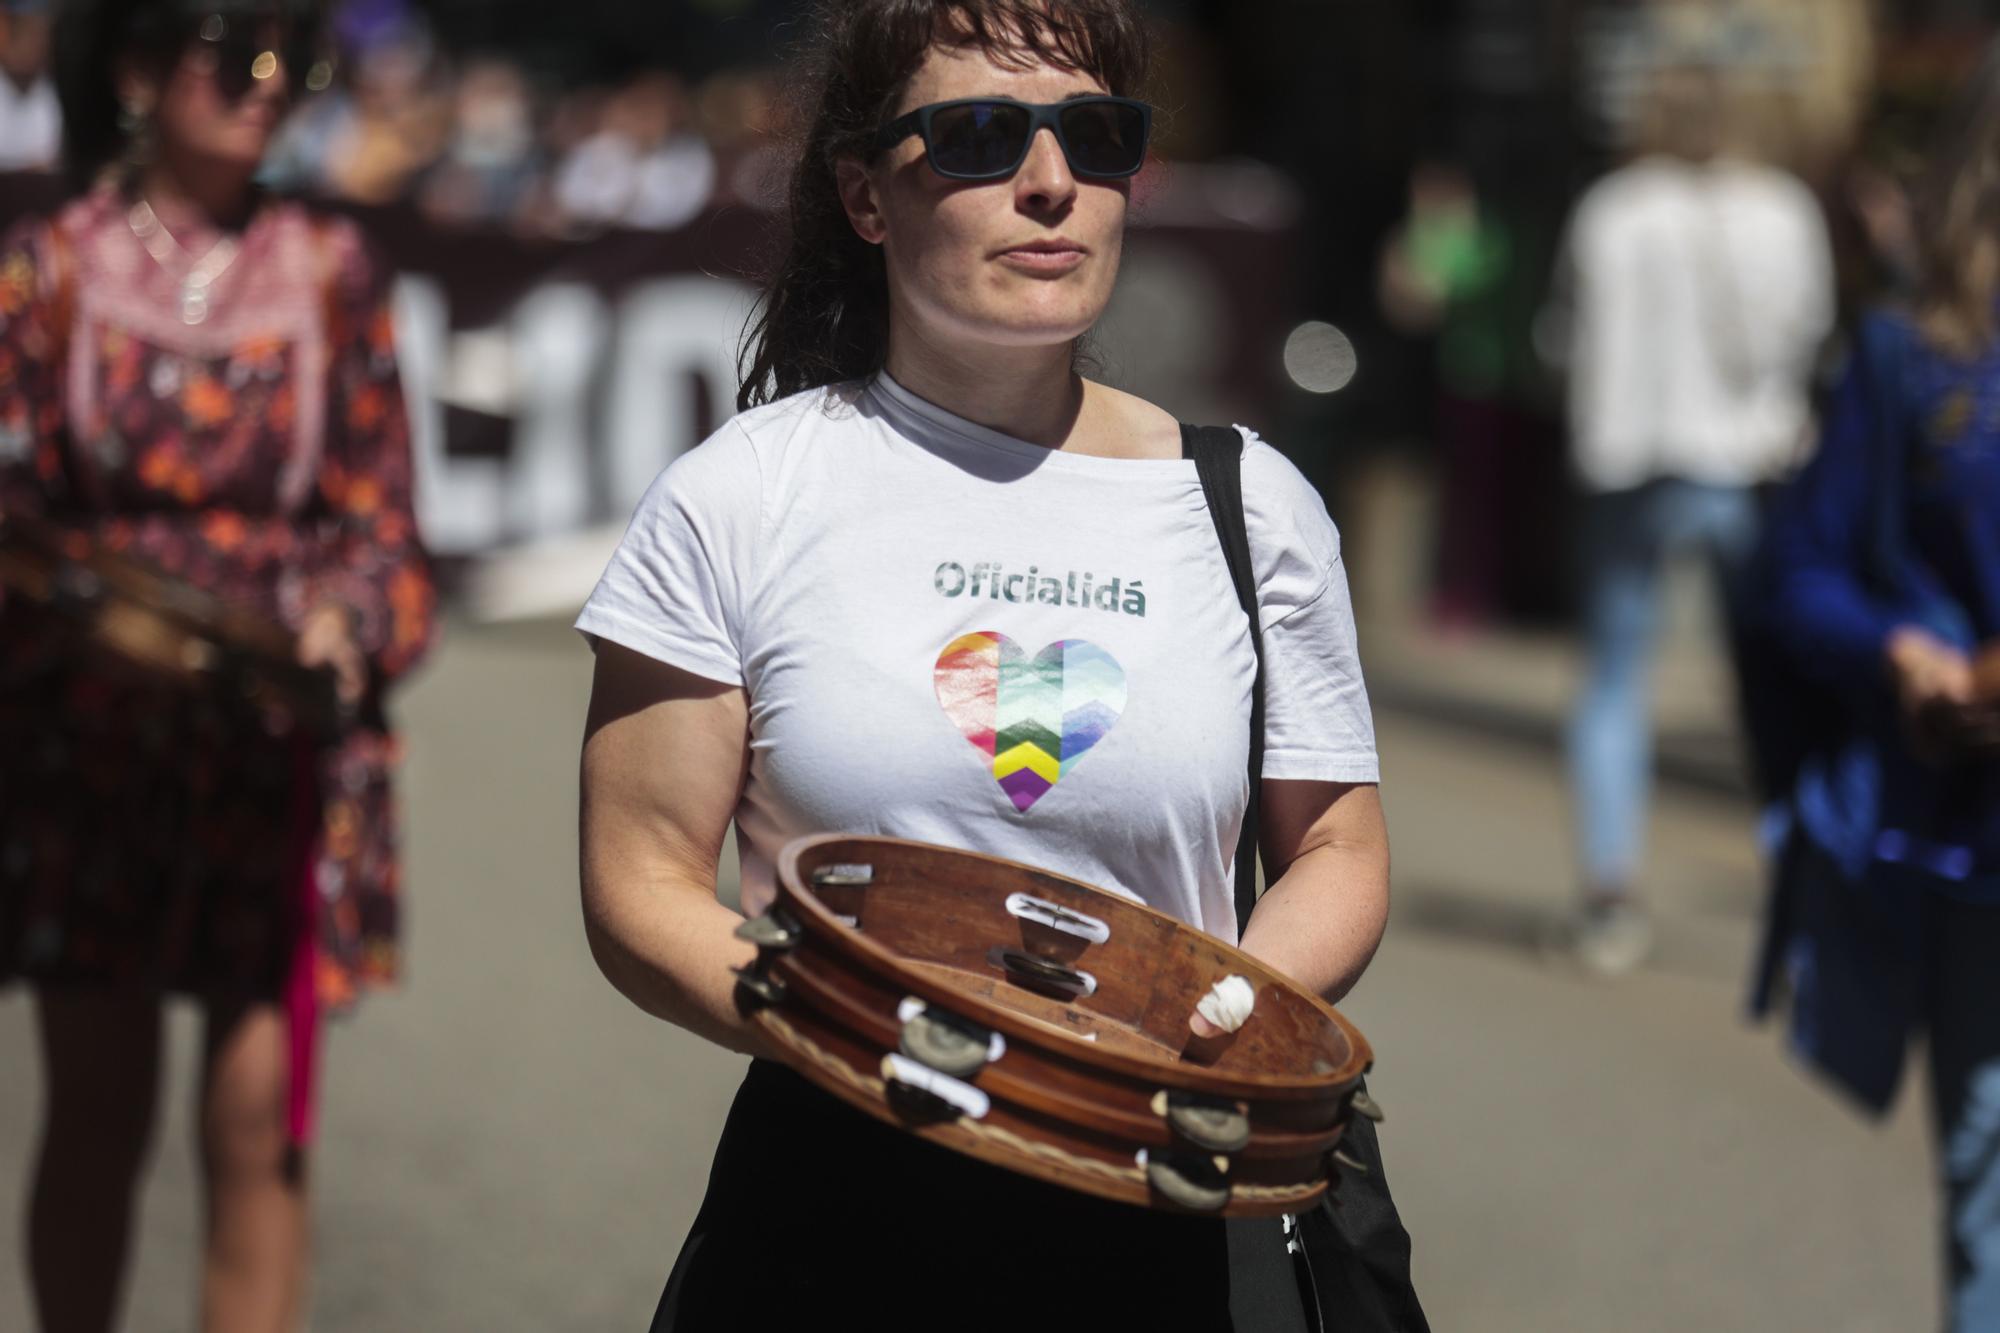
(1357, 1256)
(1217, 452)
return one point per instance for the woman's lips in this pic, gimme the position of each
(1044, 259)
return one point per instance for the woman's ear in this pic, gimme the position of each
(858, 197)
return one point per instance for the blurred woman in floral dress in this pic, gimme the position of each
(201, 378)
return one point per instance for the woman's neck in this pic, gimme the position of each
(1030, 393)
(187, 199)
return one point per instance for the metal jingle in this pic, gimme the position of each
(844, 876)
(773, 930)
(917, 1105)
(1190, 1182)
(765, 990)
(1207, 1125)
(1042, 971)
(1364, 1105)
(945, 1043)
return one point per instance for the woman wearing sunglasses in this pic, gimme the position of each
(922, 509)
(200, 378)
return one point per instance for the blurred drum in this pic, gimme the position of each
(1040, 1024)
(132, 618)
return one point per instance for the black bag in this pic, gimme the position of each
(1344, 1265)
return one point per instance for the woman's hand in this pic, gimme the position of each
(1938, 692)
(327, 640)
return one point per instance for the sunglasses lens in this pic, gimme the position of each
(235, 62)
(982, 139)
(1105, 138)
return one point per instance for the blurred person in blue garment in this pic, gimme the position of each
(1886, 585)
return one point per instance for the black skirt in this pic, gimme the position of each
(819, 1216)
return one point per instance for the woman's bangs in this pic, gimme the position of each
(1019, 34)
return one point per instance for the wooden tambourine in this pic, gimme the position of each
(165, 630)
(1040, 1024)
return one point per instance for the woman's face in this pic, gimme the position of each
(1027, 261)
(221, 101)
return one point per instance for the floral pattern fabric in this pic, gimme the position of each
(147, 835)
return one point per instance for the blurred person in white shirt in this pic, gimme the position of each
(30, 119)
(1698, 288)
(645, 166)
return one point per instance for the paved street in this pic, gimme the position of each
(508, 1145)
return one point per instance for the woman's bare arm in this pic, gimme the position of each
(1326, 859)
(664, 757)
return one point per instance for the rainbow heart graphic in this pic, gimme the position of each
(1033, 717)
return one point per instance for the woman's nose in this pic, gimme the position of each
(1044, 180)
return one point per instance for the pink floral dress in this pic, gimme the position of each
(261, 453)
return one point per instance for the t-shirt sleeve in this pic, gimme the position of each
(678, 585)
(1317, 724)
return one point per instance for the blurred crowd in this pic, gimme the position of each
(471, 138)
(1833, 103)
(1430, 247)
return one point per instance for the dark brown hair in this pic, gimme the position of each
(1959, 223)
(824, 315)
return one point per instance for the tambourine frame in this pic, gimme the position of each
(1108, 1118)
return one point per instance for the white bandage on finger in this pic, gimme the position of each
(1228, 1003)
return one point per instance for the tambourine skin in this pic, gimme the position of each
(1038, 1023)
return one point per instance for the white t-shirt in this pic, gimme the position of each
(1701, 294)
(955, 636)
(30, 125)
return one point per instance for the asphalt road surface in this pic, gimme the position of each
(506, 1144)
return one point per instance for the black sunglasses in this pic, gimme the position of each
(241, 56)
(987, 138)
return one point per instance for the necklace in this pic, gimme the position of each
(160, 244)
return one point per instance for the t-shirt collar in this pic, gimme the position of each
(909, 412)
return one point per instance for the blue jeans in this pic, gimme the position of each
(1964, 1018)
(1628, 537)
